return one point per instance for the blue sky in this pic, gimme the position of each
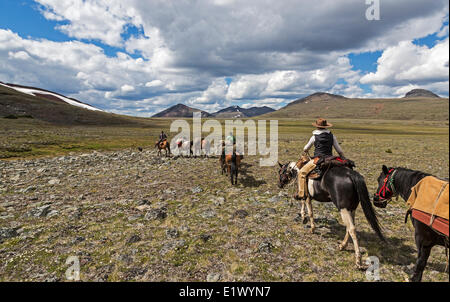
(143, 57)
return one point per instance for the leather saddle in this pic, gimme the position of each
(323, 164)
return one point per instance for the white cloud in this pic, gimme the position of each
(273, 51)
(154, 83)
(127, 88)
(408, 65)
(100, 19)
(20, 55)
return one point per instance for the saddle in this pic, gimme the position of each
(335, 161)
(429, 203)
(323, 164)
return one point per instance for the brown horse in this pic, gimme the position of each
(232, 162)
(164, 145)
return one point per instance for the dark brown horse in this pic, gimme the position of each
(398, 182)
(345, 188)
(233, 163)
(230, 163)
(164, 145)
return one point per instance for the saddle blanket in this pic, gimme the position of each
(430, 195)
(439, 224)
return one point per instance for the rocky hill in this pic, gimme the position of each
(180, 110)
(318, 96)
(327, 105)
(420, 93)
(238, 112)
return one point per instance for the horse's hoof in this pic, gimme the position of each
(342, 247)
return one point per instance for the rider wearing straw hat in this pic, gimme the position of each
(323, 141)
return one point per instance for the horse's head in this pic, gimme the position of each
(384, 191)
(286, 173)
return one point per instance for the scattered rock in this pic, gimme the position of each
(269, 211)
(265, 247)
(133, 239)
(143, 207)
(134, 217)
(54, 181)
(196, 190)
(29, 189)
(240, 214)
(219, 201)
(143, 202)
(173, 245)
(205, 237)
(172, 233)
(6, 233)
(39, 211)
(77, 213)
(208, 213)
(158, 213)
(78, 240)
(52, 213)
(213, 277)
(275, 198)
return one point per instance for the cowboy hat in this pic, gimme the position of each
(322, 123)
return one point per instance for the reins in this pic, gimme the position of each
(388, 182)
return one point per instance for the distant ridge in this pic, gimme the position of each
(418, 105)
(238, 112)
(180, 110)
(318, 96)
(416, 93)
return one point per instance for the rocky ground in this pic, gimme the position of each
(130, 215)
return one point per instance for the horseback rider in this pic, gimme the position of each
(162, 137)
(231, 139)
(323, 141)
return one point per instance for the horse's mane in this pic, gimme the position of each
(414, 173)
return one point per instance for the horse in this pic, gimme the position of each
(164, 145)
(206, 147)
(344, 187)
(232, 163)
(398, 181)
(184, 145)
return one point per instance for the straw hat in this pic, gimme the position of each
(322, 123)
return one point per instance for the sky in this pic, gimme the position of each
(139, 57)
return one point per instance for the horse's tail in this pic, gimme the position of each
(363, 195)
(233, 160)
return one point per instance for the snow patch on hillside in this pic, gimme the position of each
(33, 92)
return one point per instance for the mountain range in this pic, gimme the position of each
(181, 110)
(18, 101)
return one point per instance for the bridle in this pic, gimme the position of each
(387, 190)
